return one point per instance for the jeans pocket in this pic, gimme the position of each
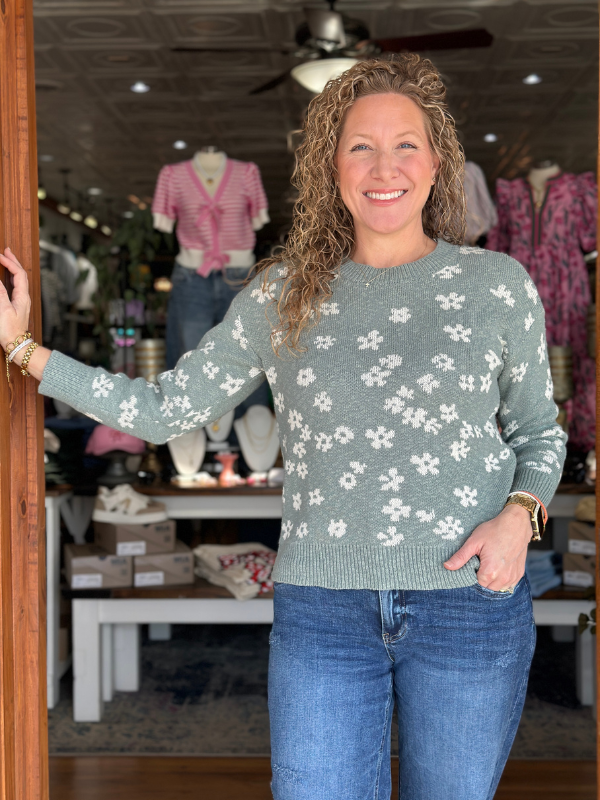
(181, 274)
(493, 594)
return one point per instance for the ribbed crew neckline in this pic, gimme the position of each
(357, 272)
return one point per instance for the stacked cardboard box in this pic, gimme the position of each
(128, 554)
(579, 564)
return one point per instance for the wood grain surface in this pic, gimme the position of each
(23, 719)
(177, 778)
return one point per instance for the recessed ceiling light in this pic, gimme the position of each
(106, 230)
(140, 87)
(75, 216)
(128, 214)
(532, 79)
(91, 222)
(180, 144)
(63, 208)
(42, 193)
(94, 191)
(490, 137)
(47, 158)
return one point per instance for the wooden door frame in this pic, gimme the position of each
(23, 712)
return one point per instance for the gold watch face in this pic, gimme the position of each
(527, 502)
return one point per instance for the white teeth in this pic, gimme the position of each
(388, 196)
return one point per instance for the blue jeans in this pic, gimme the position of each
(455, 661)
(196, 305)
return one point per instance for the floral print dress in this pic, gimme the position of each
(550, 242)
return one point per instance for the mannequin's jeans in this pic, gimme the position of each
(196, 305)
(455, 661)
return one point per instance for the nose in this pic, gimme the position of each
(385, 167)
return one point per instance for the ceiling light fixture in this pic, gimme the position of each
(532, 79)
(180, 144)
(106, 230)
(63, 208)
(42, 193)
(46, 158)
(75, 216)
(490, 137)
(94, 191)
(313, 75)
(139, 87)
(90, 221)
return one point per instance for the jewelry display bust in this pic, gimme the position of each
(258, 435)
(187, 452)
(220, 429)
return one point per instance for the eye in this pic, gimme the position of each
(407, 144)
(358, 147)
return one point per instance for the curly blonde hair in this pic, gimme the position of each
(322, 233)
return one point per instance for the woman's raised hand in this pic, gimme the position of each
(14, 312)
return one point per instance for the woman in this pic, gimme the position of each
(395, 356)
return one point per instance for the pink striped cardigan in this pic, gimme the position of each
(212, 231)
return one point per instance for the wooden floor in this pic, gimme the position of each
(176, 778)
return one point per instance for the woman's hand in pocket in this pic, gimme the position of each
(501, 545)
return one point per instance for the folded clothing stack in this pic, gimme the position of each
(243, 569)
(543, 568)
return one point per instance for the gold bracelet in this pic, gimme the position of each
(26, 357)
(11, 346)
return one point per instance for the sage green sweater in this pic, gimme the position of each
(420, 402)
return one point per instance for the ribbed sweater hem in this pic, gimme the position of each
(363, 567)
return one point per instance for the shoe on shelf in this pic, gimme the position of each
(123, 505)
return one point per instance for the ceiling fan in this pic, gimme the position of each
(326, 35)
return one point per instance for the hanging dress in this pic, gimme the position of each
(550, 242)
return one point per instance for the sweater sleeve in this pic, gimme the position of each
(527, 411)
(164, 209)
(205, 384)
(257, 198)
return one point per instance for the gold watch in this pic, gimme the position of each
(535, 509)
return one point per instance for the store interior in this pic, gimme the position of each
(166, 132)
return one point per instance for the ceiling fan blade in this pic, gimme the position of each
(451, 40)
(272, 84)
(230, 50)
(326, 26)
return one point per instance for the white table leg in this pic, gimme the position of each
(107, 663)
(159, 631)
(126, 657)
(586, 667)
(87, 661)
(77, 514)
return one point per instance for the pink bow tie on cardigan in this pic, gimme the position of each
(214, 258)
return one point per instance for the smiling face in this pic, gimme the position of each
(385, 166)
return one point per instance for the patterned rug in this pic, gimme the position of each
(205, 693)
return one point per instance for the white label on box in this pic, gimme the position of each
(92, 581)
(573, 578)
(149, 578)
(582, 546)
(131, 548)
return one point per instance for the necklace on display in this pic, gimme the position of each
(207, 177)
(259, 443)
(383, 269)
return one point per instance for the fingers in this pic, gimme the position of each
(20, 295)
(460, 558)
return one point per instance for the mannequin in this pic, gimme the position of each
(219, 430)
(546, 221)
(258, 435)
(209, 163)
(187, 452)
(218, 203)
(538, 178)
